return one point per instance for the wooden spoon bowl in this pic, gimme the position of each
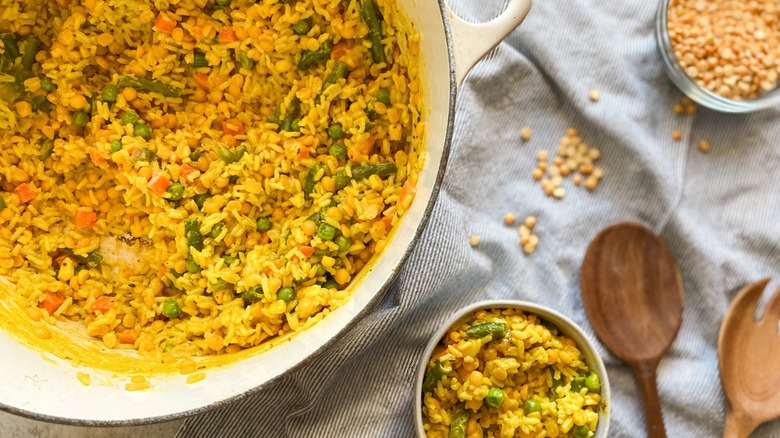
(749, 356)
(633, 295)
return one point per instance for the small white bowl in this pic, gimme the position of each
(565, 326)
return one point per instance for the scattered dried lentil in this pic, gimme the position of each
(528, 240)
(704, 146)
(474, 240)
(525, 133)
(574, 158)
(594, 95)
(509, 219)
(676, 135)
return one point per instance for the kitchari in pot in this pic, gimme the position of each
(201, 178)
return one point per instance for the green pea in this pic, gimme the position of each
(532, 405)
(219, 284)
(263, 224)
(285, 294)
(326, 231)
(343, 242)
(383, 96)
(47, 84)
(593, 383)
(338, 151)
(335, 131)
(2, 204)
(302, 27)
(495, 398)
(252, 295)
(229, 260)
(330, 284)
(130, 118)
(171, 309)
(581, 431)
(142, 130)
(192, 267)
(110, 93)
(201, 199)
(320, 270)
(80, 118)
(578, 383)
(342, 180)
(116, 146)
(217, 230)
(47, 148)
(176, 191)
(245, 61)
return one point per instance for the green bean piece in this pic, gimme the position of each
(263, 224)
(175, 191)
(496, 330)
(148, 86)
(229, 156)
(458, 423)
(192, 232)
(80, 118)
(217, 230)
(433, 376)
(285, 294)
(578, 383)
(192, 267)
(11, 47)
(320, 270)
(244, 61)
(144, 155)
(195, 156)
(315, 174)
(201, 199)
(110, 93)
(286, 2)
(383, 96)
(384, 170)
(326, 231)
(531, 406)
(229, 260)
(302, 27)
(40, 103)
(171, 309)
(199, 60)
(116, 146)
(93, 259)
(223, 3)
(252, 295)
(130, 118)
(370, 15)
(142, 130)
(341, 179)
(293, 112)
(335, 131)
(312, 58)
(344, 243)
(593, 383)
(47, 84)
(2, 204)
(338, 151)
(30, 50)
(47, 147)
(233, 179)
(340, 71)
(219, 284)
(330, 284)
(557, 383)
(581, 431)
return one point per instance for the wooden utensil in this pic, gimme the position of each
(749, 356)
(633, 295)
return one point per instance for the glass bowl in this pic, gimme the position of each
(689, 86)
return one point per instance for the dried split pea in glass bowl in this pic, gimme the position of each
(723, 54)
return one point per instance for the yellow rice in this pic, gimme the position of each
(86, 45)
(532, 365)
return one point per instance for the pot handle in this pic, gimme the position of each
(472, 41)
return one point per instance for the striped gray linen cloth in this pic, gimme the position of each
(717, 211)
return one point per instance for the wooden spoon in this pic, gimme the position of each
(749, 356)
(633, 295)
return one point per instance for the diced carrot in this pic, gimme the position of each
(25, 193)
(303, 153)
(307, 251)
(127, 336)
(407, 195)
(103, 304)
(368, 145)
(339, 50)
(159, 183)
(187, 170)
(51, 302)
(232, 127)
(202, 79)
(85, 217)
(164, 24)
(388, 221)
(95, 156)
(227, 35)
(61, 258)
(197, 33)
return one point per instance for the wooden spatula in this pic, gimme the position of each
(749, 356)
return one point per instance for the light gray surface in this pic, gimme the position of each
(717, 211)
(12, 426)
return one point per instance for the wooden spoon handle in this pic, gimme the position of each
(645, 378)
(738, 425)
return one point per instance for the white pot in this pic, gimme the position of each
(48, 389)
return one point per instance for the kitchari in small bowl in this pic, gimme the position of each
(511, 368)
